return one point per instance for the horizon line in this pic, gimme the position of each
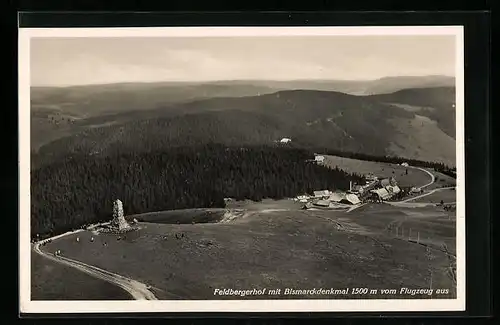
(237, 80)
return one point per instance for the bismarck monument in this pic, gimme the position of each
(118, 224)
(119, 221)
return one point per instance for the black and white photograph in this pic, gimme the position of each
(241, 169)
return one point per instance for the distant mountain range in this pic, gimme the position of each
(97, 120)
(95, 100)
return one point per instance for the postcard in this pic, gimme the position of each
(241, 169)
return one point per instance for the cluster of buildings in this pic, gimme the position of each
(381, 190)
(374, 190)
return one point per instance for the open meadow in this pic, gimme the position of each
(181, 216)
(446, 195)
(277, 245)
(441, 180)
(405, 176)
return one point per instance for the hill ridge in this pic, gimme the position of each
(313, 118)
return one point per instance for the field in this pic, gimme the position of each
(414, 177)
(432, 225)
(180, 216)
(442, 180)
(447, 195)
(47, 283)
(276, 245)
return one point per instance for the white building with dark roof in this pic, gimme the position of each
(382, 193)
(337, 197)
(351, 199)
(323, 193)
(319, 158)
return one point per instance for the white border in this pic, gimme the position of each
(28, 306)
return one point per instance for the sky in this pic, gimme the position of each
(97, 60)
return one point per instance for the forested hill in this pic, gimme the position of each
(80, 190)
(377, 125)
(311, 118)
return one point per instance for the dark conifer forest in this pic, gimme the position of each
(80, 190)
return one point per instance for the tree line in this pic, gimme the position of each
(80, 190)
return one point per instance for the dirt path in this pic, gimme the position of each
(138, 290)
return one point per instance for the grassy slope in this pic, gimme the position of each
(435, 225)
(421, 138)
(437, 103)
(442, 181)
(52, 281)
(447, 196)
(296, 249)
(183, 216)
(415, 177)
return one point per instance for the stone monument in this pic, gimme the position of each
(118, 218)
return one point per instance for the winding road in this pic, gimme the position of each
(433, 179)
(138, 290)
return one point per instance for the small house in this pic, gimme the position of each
(393, 189)
(416, 190)
(351, 199)
(405, 164)
(381, 193)
(337, 197)
(285, 140)
(322, 194)
(319, 159)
